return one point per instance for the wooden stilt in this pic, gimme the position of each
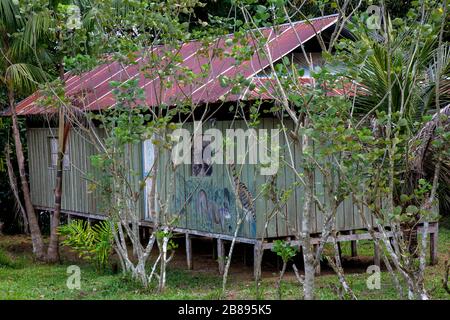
(434, 247)
(141, 234)
(189, 261)
(317, 270)
(339, 250)
(145, 233)
(353, 247)
(376, 254)
(51, 219)
(257, 259)
(221, 255)
(298, 259)
(69, 218)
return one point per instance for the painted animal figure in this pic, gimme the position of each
(215, 213)
(245, 199)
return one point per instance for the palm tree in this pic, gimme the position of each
(407, 72)
(407, 69)
(410, 67)
(18, 76)
(52, 26)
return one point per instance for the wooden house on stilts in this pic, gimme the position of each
(205, 195)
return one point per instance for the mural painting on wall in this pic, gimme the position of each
(210, 208)
(216, 211)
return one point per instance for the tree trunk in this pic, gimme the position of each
(308, 253)
(308, 286)
(36, 236)
(63, 132)
(53, 246)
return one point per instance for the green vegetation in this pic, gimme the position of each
(40, 281)
(92, 243)
(5, 260)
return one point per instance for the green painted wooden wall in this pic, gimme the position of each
(202, 203)
(208, 203)
(76, 197)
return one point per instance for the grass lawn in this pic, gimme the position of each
(21, 278)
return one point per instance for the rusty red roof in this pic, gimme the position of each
(97, 93)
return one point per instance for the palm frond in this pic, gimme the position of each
(10, 19)
(24, 77)
(405, 63)
(39, 26)
(439, 69)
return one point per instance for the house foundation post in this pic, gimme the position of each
(376, 254)
(189, 261)
(353, 246)
(434, 246)
(317, 269)
(221, 255)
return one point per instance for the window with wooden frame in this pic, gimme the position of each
(201, 158)
(53, 147)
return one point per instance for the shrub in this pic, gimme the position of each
(92, 243)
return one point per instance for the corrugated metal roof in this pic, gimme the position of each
(97, 93)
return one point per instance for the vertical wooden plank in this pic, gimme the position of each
(31, 164)
(221, 255)
(37, 168)
(90, 151)
(163, 172)
(376, 254)
(214, 185)
(189, 261)
(434, 246)
(249, 175)
(272, 224)
(222, 183)
(72, 196)
(357, 221)
(189, 190)
(236, 211)
(320, 193)
(261, 201)
(185, 198)
(51, 172)
(193, 191)
(340, 217)
(85, 160)
(243, 167)
(353, 246)
(45, 171)
(349, 216)
(140, 165)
